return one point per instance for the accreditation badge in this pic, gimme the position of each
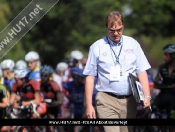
(115, 73)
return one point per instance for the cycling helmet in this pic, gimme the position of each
(7, 64)
(76, 54)
(21, 72)
(76, 72)
(62, 66)
(170, 48)
(72, 62)
(32, 56)
(46, 70)
(21, 64)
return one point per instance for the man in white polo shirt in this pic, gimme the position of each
(112, 58)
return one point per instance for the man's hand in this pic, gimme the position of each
(16, 105)
(90, 112)
(147, 103)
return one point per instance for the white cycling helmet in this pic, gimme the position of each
(21, 72)
(21, 64)
(62, 66)
(77, 54)
(32, 56)
(7, 64)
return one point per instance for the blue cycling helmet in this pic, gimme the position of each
(170, 48)
(76, 72)
(46, 70)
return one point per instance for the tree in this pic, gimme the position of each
(155, 17)
(69, 25)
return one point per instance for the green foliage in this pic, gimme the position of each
(153, 17)
(4, 11)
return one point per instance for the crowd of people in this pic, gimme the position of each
(28, 82)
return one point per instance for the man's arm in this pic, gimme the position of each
(89, 86)
(143, 78)
(13, 98)
(4, 103)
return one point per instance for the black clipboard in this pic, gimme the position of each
(132, 80)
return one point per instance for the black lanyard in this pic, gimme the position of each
(117, 57)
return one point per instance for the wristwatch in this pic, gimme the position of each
(148, 96)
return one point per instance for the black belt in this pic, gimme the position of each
(119, 96)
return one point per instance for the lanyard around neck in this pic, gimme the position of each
(116, 56)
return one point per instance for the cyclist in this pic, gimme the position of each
(76, 93)
(60, 76)
(60, 70)
(3, 102)
(7, 66)
(165, 80)
(29, 91)
(51, 90)
(32, 59)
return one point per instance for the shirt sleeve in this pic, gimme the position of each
(91, 65)
(142, 63)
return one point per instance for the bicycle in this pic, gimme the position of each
(24, 112)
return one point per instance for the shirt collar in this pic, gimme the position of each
(113, 43)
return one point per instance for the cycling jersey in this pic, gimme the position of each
(8, 82)
(35, 74)
(50, 90)
(27, 91)
(76, 96)
(167, 80)
(3, 92)
(2, 80)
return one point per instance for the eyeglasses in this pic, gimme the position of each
(113, 31)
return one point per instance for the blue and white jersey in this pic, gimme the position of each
(8, 82)
(35, 75)
(101, 58)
